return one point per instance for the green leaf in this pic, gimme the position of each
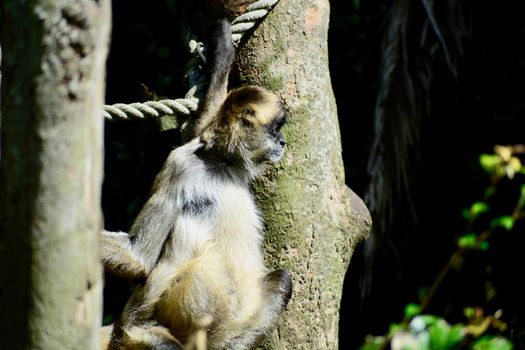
(372, 343)
(429, 319)
(423, 340)
(490, 342)
(507, 222)
(469, 312)
(455, 336)
(412, 310)
(484, 246)
(439, 335)
(475, 210)
(394, 328)
(356, 4)
(469, 240)
(479, 207)
(513, 167)
(489, 162)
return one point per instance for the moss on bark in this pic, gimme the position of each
(313, 221)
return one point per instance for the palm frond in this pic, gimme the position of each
(413, 36)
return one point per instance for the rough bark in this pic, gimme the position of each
(313, 221)
(54, 55)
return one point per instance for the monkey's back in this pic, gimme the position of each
(212, 263)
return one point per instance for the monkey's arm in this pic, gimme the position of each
(154, 223)
(118, 257)
(221, 60)
(132, 256)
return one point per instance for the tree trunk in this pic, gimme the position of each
(53, 65)
(312, 220)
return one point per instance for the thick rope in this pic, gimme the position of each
(197, 81)
(247, 20)
(151, 109)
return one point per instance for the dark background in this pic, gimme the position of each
(465, 115)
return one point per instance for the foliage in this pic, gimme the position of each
(480, 330)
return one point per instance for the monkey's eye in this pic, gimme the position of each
(280, 123)
(248, 112)
(277, 124)
(246, 123)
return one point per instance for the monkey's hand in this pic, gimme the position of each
(118, 258)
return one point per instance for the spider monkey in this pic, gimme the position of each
(195, 247)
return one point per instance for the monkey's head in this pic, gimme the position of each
(247, 127)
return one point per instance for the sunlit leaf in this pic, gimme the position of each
(469, 312)
(475, 210)
(439, 335)
(489, 342)
(394, 328)
(412, 310)
(507, 222)
(478, 328)
(489, 162)
(479, 207)
(512, 167)
(455, 336)
(505, 152)
(468, 240)
(429, 319)
(423, 341)
(500, 325)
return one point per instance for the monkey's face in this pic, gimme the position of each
(261, 121)
(262, 137)
(247, 128)
(274, 141)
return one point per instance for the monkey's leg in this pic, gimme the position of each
(277, 291)
(118, 257)
(277, 287)
(149, 337)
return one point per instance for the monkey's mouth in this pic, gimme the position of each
(274, 155)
